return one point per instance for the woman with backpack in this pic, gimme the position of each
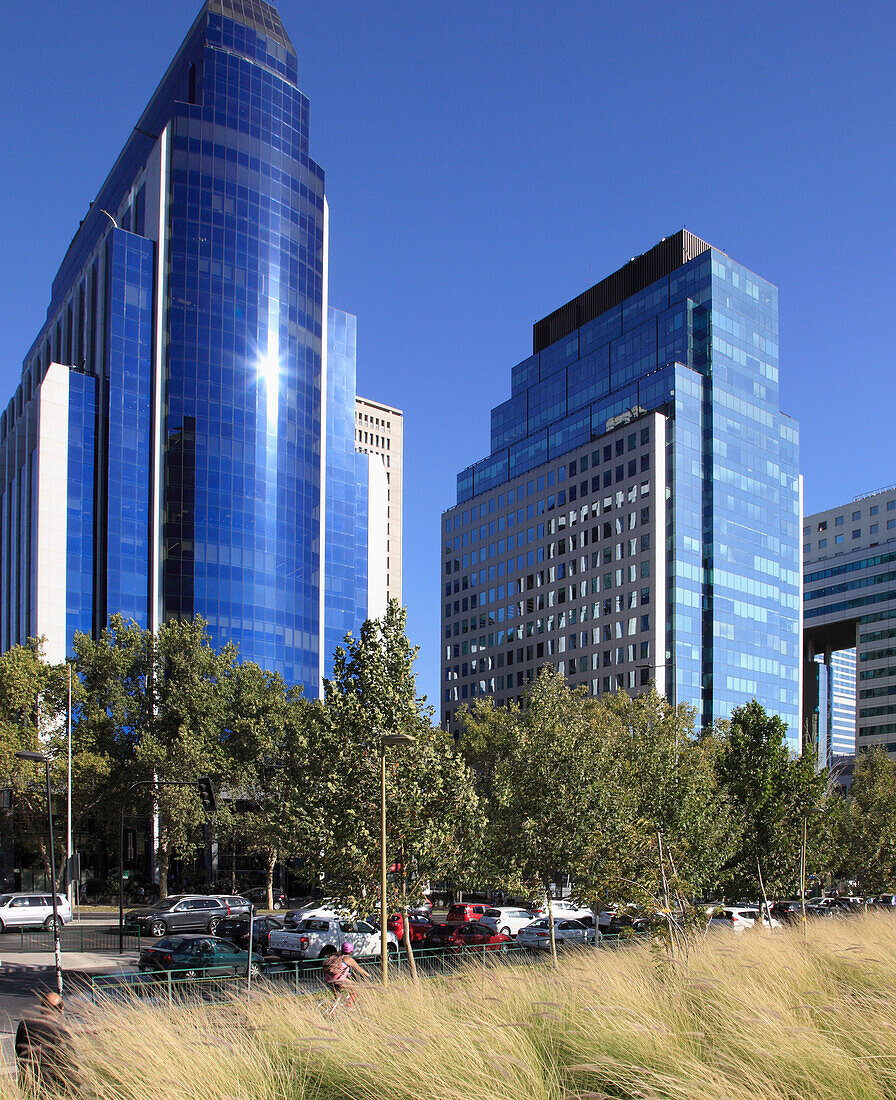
(337, 971)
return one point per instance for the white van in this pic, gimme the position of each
(30, 910)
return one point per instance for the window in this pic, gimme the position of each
(838, 522)
(823, 526)
(874, 509)
(822, 543)
(838, 539)
(891, 505)
(857, 534)
(873, 528)
(856, 516)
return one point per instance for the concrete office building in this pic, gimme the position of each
(849, 603)
(379, 430)
(637, 518)
(182, 440)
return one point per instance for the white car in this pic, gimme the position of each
(537, 934)
(739, 918)
(317, 937)
(505, 919)
(31, 910)
(562, 910)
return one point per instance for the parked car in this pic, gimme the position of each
(885, 901)
(506, 919)
(567, 933)
(320, 936)
(627, 924)
(472, 935)
(565, 910)
(178, 913)
(322, 907)
(258, 895)
(236, 929)
(464, 912)
(419, 926)
(191, 957)
(739, 918)
(235, 904)
(32, 910)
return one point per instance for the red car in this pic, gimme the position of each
(469, 936)
(462, 912)
(419, 926)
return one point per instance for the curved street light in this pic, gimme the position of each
(387, 740)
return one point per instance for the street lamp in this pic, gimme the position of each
(386, 741)
(806, 812)
(39, 758)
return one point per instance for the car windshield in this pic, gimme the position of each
(168, 903)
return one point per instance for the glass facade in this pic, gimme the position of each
(79, 589)
(698, 343)
(193, 296)
(347, 489)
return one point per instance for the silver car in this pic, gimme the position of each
(537, 935)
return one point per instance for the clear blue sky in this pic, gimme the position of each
(486, 161)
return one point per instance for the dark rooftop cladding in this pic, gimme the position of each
(662, 259)
(258, 15)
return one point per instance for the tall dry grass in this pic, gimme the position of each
(756, 1015)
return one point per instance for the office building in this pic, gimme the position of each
(849, 604)
(379, 430)
(637, 518)
(182, 440)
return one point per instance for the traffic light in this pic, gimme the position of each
(207, 794)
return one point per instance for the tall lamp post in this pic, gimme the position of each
(813, 810)
(39, 758)
(386, 740)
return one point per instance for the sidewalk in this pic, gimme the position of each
(85, 962)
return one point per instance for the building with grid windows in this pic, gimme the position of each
(182, 440)
(379, 430)
(638, 516)
(849, 606)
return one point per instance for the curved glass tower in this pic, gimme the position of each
(186, 352)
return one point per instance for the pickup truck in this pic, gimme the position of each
(317, 937)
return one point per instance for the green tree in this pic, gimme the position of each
(158, 706)
(265, 743)
(662, 823)
(541, 808)
(772, 792)
(433, 815)
(32, 711)
(868, 838)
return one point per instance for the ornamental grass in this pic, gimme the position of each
(753, 1015)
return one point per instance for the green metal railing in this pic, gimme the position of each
(304, 977)
(80, 938)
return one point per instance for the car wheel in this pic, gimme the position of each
(158, 928)
(255, 968)
(2, 927)
(212, 925)
(327, 952)
(278, 904)
(504, 948)
(505, 931)
(190, 975)
(48, 924)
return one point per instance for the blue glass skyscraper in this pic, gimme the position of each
(637, 518)
(182, 439)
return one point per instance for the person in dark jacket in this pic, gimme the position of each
(43, 1045)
